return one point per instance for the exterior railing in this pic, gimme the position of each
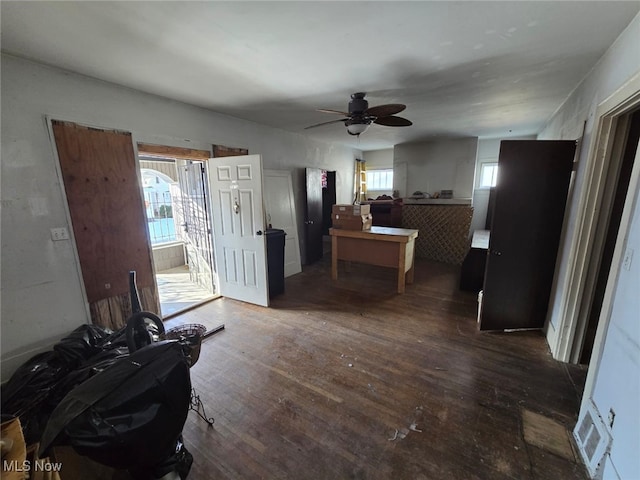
(160, 219)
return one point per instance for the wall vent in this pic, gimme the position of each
(593, 439)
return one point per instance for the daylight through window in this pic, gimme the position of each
(488, 175)
(380, 179)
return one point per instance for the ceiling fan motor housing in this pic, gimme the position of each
(358, 105)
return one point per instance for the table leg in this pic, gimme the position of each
(413, 264)
(401, 266)
(334, 258)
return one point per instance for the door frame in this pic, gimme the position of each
(195, 152)
(286, 174)
(574, 293)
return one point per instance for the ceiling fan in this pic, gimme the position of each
(360, 116)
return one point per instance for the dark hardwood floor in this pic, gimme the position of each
(349, 380)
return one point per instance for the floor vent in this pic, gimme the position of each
(593, 439)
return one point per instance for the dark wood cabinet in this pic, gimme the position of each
(527, 218)
(386, 213)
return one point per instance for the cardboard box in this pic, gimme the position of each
(356, 210)
(352, 222)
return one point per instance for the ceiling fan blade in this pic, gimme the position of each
(393, 121)
(327, 110)
(385, 110)
(326, 123)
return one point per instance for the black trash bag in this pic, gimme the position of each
(130, 415)
(117, 339)
(32, 381)
(35, 378)
(180, 462)
(81, 344)
(28, 389)
(96, 364)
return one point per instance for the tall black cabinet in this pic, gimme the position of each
(527, 218)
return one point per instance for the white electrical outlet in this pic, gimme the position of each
(628, 256)
(60, 233)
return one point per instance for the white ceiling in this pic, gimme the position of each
(462, 68)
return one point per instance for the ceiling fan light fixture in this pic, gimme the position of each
(357, 128)
(360, 116)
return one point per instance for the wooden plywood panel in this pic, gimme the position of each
(113, 312)
(222, 151)
(166, 151)
(105, 203)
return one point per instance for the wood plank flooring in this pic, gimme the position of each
(349, 380)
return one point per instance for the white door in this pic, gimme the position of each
(281, 213)
(238, 225)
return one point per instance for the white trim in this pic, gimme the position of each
(613, 163)
(571, 292)
(48, 119)
(612, 281)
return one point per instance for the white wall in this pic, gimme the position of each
(488, 152)
(620, 63)
(378, 159)
(617, 369)
(617, 385)
(42, 292)
(446, 164)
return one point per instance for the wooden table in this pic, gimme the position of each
(382, 246)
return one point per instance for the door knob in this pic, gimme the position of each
(259, 232)
(309, 222)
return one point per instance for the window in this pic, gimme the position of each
(488, 175)
(380, 179)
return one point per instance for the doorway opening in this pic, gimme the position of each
(616, 188)
(178, 220)
(321, 196)
(328, 200)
